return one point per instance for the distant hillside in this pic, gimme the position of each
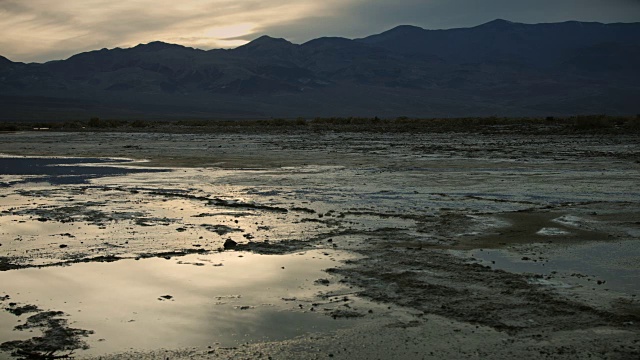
(498, 68)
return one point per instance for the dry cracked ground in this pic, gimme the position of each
(293, 245)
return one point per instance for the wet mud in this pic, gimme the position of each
(58, 340)
(486, 245)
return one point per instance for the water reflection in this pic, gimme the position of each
(58, 171)
(198, 300)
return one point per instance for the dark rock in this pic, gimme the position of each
(19, 310)
(229, 244)
(221, 229)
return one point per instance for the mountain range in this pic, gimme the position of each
(499, 68)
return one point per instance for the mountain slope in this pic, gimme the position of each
(500, 68)
(540, 45)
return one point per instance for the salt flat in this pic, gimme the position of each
(434, 244)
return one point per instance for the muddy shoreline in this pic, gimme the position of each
(434, 219)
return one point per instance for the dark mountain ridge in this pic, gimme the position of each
(540, 45)
(498, 68)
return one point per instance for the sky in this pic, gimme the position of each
(43, 30)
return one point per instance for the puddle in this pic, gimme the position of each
(221, 299)
(551, 231)
(607, 265)
(59, 171)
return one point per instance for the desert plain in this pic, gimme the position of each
(319, 242)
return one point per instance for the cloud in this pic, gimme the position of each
(40, 30)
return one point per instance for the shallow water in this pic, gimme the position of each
(613, 264)
(58, 171)
(221, 299)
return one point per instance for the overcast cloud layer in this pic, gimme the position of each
(42, 30)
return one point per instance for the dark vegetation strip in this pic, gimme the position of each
(493, 124)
